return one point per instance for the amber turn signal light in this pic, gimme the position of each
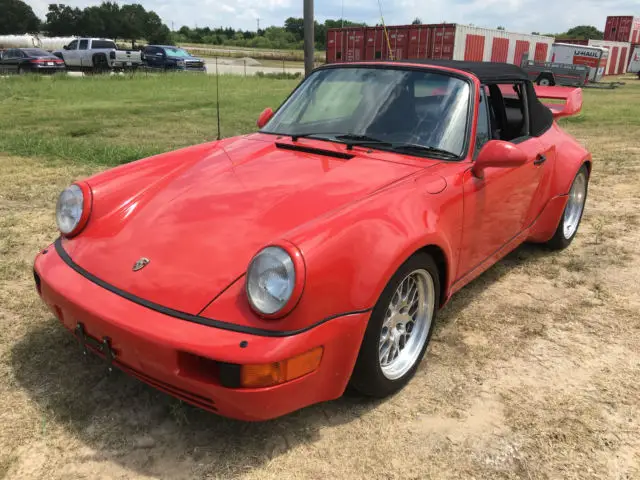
(268, 374)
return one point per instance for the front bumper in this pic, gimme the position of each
(182, 358)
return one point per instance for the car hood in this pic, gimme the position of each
(200, 223)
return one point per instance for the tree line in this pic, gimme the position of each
(290, 36)
(132, 22)
(126, 22)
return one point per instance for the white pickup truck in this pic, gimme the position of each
(98, 55)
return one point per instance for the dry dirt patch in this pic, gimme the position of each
(532, 373)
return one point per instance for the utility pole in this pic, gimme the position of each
(258, 22)
(309, 44)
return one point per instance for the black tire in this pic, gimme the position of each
(546, 80)
(560, 241)
(100, 64)
(367, 377)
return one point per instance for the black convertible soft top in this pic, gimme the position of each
(487, 72)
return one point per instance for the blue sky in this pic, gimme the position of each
(523, 16)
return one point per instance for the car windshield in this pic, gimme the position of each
(36, 52)
(176, 52)
(395, 106)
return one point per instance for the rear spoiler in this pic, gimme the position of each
(572, 99)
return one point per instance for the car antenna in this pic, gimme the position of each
(217, 99)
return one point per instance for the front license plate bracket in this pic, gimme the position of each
(103, 346)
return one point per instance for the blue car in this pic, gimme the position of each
(164, 57)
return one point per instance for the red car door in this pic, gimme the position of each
(499, 206)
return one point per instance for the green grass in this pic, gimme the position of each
(116, 119)
(609, 108)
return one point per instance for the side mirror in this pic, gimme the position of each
(264, 117)
(66, 47)
(499, 154)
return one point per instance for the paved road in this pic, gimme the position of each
(235, 69)
(239, 69)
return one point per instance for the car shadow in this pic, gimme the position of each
(120, 419)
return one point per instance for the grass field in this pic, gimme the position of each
(115, 120)
(532, 372)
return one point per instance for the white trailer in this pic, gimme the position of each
(634, 62)
(593, 57)
(618, 55)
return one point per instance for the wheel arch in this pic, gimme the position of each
(441, 260)
(97, 56)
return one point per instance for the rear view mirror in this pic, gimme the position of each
(264, 117)
(500, 154)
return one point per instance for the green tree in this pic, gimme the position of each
(586, 32)
(500, 27)
(295, 26)
(62, 20)
(133, 20)
(155, 31)
(17, 17)
(416, 21)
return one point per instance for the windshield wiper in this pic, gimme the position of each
(416, 148)
(319, 135)
(353, 139)
(361, 138)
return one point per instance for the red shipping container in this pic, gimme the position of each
(443, 41)
(398, 41)
(622, 28)
(500, 49)
(420, 41)
(345, 45)
(374, 38)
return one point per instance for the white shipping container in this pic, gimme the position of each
(594, 57)
(634, 62)
(619, 53)
(492, 45)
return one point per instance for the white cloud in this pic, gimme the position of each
(516, 15)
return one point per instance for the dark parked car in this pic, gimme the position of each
(164, 57)
(23, 60)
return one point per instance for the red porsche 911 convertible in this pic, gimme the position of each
(256, 275)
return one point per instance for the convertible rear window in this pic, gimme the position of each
(392, 105)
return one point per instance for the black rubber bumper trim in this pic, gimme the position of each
(187, 316)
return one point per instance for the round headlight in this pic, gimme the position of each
(271, 279)
(69, 209)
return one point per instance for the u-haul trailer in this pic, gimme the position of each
(593, 57)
